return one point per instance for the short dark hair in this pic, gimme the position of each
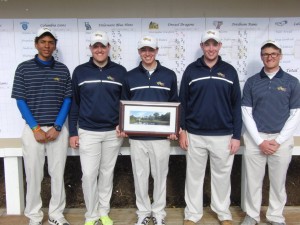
(44, 35)
(270, 45)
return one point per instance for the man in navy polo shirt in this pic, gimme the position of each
(42, 88)
(270, 106)
(97, 88)
(211, 121)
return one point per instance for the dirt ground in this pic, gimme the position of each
(123, 193)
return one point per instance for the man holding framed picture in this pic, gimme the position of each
(150, 82)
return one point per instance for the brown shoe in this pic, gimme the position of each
(226, 222)
(189, 222)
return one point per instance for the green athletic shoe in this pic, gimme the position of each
(105, 220)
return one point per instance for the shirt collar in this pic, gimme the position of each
(279, 74)
(200, 61)
(38, 61)
(106, 66)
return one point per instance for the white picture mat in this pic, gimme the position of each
(150, 128)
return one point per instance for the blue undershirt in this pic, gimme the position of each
(47, 63)
(28, 117)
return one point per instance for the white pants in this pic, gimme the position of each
(34, 159)
(145, 156)
(98, 155)
(200, 147)
(255, 164)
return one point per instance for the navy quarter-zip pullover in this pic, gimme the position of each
(96, 96)
(211, 99)
(161, 86)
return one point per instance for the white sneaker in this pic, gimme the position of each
(276, 223)
(248, 221)
(158, 221)
(60, 221)
(31, 222)
(143, 220)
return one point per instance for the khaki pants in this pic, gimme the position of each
(255, 165)
(98, 155)
(34, 159)
(146, 156)
(217, 148)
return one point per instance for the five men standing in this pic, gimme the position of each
(211, 122)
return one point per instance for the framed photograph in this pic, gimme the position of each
(139, 118)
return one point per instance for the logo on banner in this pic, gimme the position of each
(24, 25)
(87, 26)
(153, 26)
(281, 23)
(218, 24)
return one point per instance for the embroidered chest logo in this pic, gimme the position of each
(110, 78)
(280, 88)
(56, 78)
(159, 83)
(221, 74)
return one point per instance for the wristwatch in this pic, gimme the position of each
(57, 127)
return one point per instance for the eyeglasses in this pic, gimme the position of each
(273, 55)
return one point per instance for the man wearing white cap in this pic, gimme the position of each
(97, 88)
(211, 123)
(270, 106)
(42, 88)
(150, 81)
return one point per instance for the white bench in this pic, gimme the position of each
(13, 166)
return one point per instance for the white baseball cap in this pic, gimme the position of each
(275, 43)
(44, 30)
(211, 34)
(147, 41)
(99, 36)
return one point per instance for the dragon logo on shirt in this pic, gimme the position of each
(56, 78)
(280, 88)
(110, 78)
(221, 74)
(159, 83)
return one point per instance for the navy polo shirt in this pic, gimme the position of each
(271, 99)
(43, 88)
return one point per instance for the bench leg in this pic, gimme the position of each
(243, 184)
(14, 188)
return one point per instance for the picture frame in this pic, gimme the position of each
(143, 118)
